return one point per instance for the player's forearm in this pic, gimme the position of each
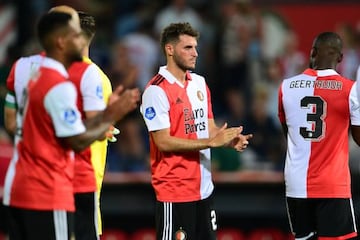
(213, 128)
(96, 129)
(175, 144)
(79, 142)
(10, 120)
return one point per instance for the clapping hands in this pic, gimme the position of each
(231, 137)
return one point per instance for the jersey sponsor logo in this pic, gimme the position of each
(189, 116)
(150, 113)
(200, 95)
(99, 92)
(192, 115)
(70, 116)
(180, 235)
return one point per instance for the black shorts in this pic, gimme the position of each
(189, 220)
(86, 219)
(322, 217)
(36, 224)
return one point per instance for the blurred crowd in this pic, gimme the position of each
(245, 50)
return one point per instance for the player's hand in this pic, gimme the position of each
(224, 136)
(110, 135)
(240, 142)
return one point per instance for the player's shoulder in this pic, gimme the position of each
(52, 70)
(157, 80)
(155, 86)
(347, 80)
(97, 68)
(78, 66)
(340, 79)
(91, 65)
(28, 60)
(299, 79)
(196, 77)
(300, 76)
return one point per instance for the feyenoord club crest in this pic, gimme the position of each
(180, 235)
(200, 95)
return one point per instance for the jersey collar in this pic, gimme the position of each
(170, 78)
(87, 60)
(326, 72)
(320, 73)
(55, 65)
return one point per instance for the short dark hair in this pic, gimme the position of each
(172, 33)
(88, 24)
(48, 24)
(330, 39)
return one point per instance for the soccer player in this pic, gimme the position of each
(176, 107)
(316, 109)
(94, 89)
(40, 187)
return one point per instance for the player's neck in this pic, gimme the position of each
(85, 52)
(178, 73)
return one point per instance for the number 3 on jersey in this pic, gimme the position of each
(316, 118)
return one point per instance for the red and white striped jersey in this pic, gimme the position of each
(41, 179)
(185, 110)
(317, 107)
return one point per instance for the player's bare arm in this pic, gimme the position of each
(167, 143)
(10, 120)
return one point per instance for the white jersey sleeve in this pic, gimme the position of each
(91, 89)
(60, 103)
(25, 69)
(155, 108)
(355, 104)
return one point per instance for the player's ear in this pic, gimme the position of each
(59, 41)
(169, 49)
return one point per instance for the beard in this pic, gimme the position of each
(181, 64)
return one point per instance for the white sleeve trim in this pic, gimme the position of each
(60, 103)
